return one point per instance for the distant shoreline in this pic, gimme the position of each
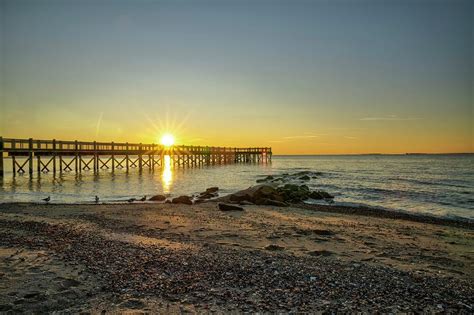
(376, 154)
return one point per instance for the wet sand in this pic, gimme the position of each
(177, 258)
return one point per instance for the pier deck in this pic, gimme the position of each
(65, 156)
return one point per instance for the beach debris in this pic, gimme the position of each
(47, 199)
(143, 198)
(183, 200)
(227, 207)
(274, 247)
(96, 199)
(157, 198)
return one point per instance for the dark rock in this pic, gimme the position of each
(183, 199)
(256, 192)
(209, 193)
(206, 195)
(31, 295)
(227, 207)
(294, 193)
(157, 198)
(291, 187)
(319, 194)
(304, 187)
(168, 201)
(305, 177)
(274, 247)
(271, 202)
(266, 179)
(315, 195)
(212, 190)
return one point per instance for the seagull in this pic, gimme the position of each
(47, 199)
(96, 199)
(131, 200)
(143, 199)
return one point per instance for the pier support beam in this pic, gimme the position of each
(30, 156)
(77, 156)
(126, 158)
(140, 158)
(96, 161)
(113, 158)
(54, 156)
(1, 157)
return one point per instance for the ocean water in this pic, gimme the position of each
(441, 185)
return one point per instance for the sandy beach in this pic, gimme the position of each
(168, 258)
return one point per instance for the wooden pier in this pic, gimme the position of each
(79, 156)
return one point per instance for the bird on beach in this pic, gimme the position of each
(96, 199)
(131, 200)
(47, 199)
(143, 199)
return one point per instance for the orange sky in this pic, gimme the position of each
(301, 77)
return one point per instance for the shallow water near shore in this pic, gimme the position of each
(441, 185)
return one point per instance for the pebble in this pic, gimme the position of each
(270, 280)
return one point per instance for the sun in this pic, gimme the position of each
(167, 140)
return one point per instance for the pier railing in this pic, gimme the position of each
(82, 156)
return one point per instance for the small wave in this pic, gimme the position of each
(429, 183)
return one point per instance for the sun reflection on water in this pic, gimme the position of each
(167, 175)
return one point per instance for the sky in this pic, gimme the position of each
(302, 77)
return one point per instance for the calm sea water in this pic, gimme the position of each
(440, 185)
